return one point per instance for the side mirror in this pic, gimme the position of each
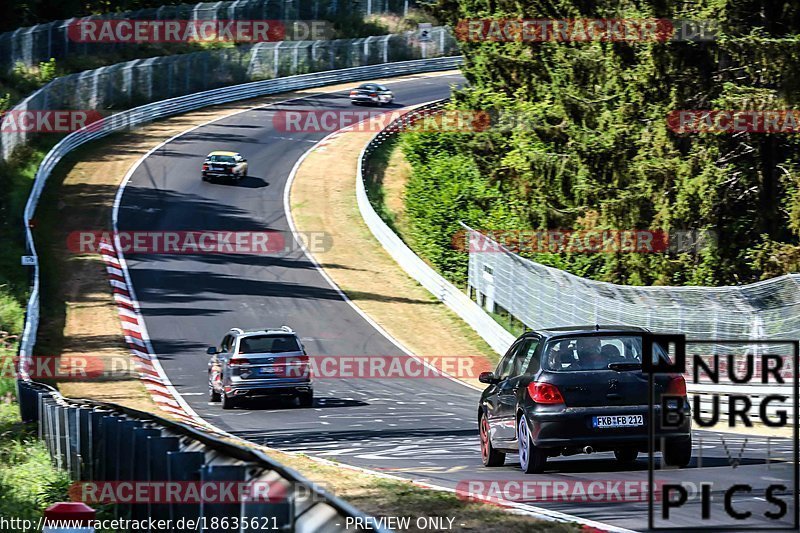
(488, 377)
(244, 160)
(211, 350)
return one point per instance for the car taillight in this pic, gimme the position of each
(373, 94)
(235, 361)
(353, 93)
(545, 393)
(205, 167)
(676, 386)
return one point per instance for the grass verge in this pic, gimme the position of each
(28, 480)
(323, 199)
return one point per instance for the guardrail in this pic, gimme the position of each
(473, 314)
(102, 445)
(33, 44)
(492, 332)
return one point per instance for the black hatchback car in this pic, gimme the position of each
(574, 390)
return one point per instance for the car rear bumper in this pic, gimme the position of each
(266, 388)
(573, 428)
(216, 174)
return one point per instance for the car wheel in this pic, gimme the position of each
(306, 399)
(626, 455)
(228, 402)
(489, 455)
(677, 452)
(531, 458)
(205, 178)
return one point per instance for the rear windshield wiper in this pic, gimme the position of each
(621, 367)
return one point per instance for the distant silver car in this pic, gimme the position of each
(263, 362)
(371, 93)
(221, 164)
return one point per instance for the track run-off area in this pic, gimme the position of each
(420, 429)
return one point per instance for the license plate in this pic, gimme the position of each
(266, 370)
(618, 421)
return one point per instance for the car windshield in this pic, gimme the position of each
(221, 159)
(269, 344)
(592, 352)
(367, 87)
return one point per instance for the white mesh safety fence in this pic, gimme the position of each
(541, 296)
(34, 44)
(133, 83)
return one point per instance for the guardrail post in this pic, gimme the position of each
(84, 443)
(211, 511)
(184, 467)
(59, 419)
(28, 402)
(73, 442)
(125, 449)
(108, 447)
(156, 459)
(96, 444)
(138, 465)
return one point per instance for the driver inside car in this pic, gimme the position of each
(590, 354)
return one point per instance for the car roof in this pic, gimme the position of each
(281, 330)
(597, 329)
(222, 152)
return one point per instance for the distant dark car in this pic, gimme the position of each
(371, 93)
(229, 165)
(576, 390)
(263, 362)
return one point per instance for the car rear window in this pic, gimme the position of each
(221, 159)
(592, 352)
(269, 344)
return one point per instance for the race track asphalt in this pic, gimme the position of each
(423, 429)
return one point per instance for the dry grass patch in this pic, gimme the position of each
(323, 199)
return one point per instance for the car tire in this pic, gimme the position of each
(205, 178)
(228, 402)
(305, 399)
(489, 455)
(626, 455)
(531, 458)
(677, 452)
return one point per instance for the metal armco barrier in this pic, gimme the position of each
(99, 442)
(492, 332)
(473, 314)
